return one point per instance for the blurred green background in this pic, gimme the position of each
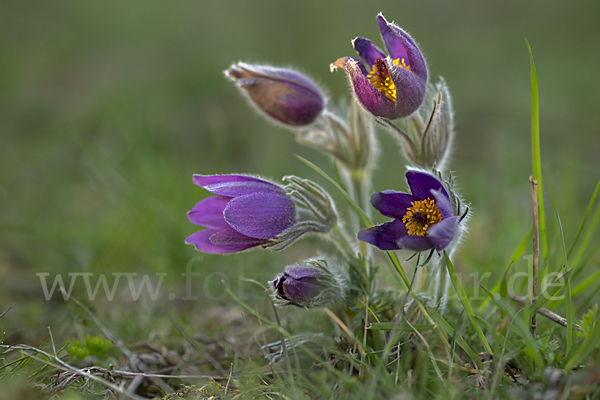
(108, 108)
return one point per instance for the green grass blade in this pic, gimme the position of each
(569, 300)
(356, 208)
(535, 150)
(587, 213)
(591, 341)
(515, 256)
(583, 285)
(522, 329)
(502, 342)
(443, 324)
(398, 267)
(550, 291)
(400, 327)
(586, 242)
(505, 308)
(462, 295)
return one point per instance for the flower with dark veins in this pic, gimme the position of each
(246, 212)
(427, 218)
(391, 86)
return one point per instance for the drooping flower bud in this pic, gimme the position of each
(248, 212)
(284, 95)
(310, 284)
(391, 86)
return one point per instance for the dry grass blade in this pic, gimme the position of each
(135, 362)
(58, 363)
(341, 324)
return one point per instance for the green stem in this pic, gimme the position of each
(343, 242)
(405, 281)
(360, 179)
(535, 151)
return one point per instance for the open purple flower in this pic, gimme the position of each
(391, 86)
(283, 94)
(246, 212)
(423, 220)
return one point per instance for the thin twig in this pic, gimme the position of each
(549, 314)
(228, 380)
(52, 341)
(7, 310)
(134, 360)
(130, 374)
(536, 249)
(67, 367)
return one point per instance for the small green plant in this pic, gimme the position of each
(92, 346)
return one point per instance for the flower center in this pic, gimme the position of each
(421, 216)
(380, 77)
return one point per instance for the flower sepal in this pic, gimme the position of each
(425, 137)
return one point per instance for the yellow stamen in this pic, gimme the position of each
(380, 77)
(421, 216)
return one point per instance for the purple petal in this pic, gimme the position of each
(392, 204)
(302, 272)
(443, 204)
(231, 241)
(384, 236)
(260, 215)
(401, 45)
(229, 237)
(367, 51)
(415, 243)
(236, 185)
(421, 184)
(410, 90)
(392, 43)
(209, 212)
(303, 290)
(286, 76)
(372, 99)
(443, 233)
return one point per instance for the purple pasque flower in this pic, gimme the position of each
(423, 219)
(391, 86)
(246, 212)
(285, 95)
(312, 283)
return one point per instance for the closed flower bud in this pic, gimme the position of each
(310, 284)
(284, 95)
